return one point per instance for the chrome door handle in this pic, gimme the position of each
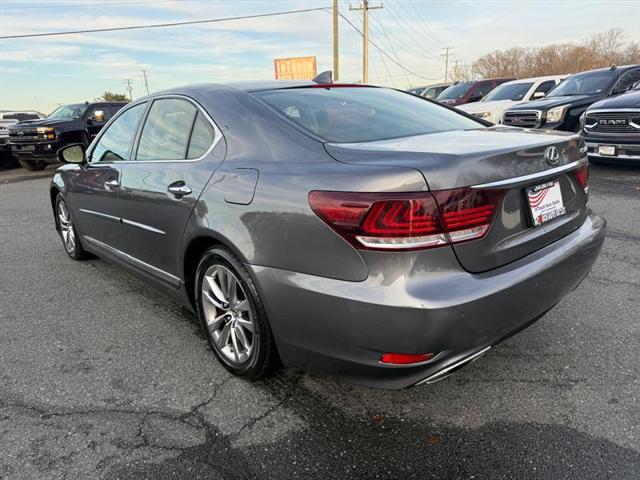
(111, 184)
(179, 190)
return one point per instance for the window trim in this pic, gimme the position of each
(103, 130)
(136, 139)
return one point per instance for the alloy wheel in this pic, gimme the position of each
(66, 228)
(228, 314)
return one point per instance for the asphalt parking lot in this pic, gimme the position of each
(102, 376)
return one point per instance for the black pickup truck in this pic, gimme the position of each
(611, 129)
(36, 142)
(562, 107)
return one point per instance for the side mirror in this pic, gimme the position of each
(73, 153)
(636, 86)
(537, 95)
(98, 116)
(476, 97)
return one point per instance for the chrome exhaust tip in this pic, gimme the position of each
(450, 369)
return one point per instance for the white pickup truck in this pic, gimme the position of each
(511, 93)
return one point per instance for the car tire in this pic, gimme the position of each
(67, 230)
(32, 165)
(236, 325)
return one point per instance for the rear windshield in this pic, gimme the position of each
(363, 114)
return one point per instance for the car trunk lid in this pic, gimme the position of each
(495, 158)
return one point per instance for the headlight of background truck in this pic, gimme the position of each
(48, 132)
(556, 115)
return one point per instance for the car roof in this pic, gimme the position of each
(536, 79)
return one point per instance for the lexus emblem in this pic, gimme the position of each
(552, 155)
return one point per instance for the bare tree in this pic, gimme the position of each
(602, 50)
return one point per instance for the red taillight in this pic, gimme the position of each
(582, 175)
(407, 221)
(405, 358)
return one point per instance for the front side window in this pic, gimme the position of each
(508, 91)
(483, 88)
(627, 81)
(455, 91)
(100, 114)
(115, 143)
(69, 112)
(545, 87)
(165, 135)
(363, 114)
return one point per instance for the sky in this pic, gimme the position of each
(40, 73)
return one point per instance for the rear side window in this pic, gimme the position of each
(202, 137)
(115, 143)
(363, 114)
(165, 135)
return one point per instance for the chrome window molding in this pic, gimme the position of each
(155, 271)
(524, 179)
(150, 100)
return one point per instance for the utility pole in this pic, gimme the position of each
(336, 74)
(146, 80)
(129, 84)
(365, 36)
(446, 62)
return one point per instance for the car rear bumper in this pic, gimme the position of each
(341, 328)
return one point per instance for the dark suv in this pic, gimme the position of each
(611, 128)
(562, 107)
(35, 142)
(466, 92)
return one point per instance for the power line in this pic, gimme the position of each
(415, 22)
(56, 5)
(162, 25)
(375, 45)
(423, 23)
(408, 33)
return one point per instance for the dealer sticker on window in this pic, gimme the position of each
(546, 202)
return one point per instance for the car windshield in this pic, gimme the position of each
(508, 91)
(71, 112)
(455, 91)
(588, 83)
(363, 114)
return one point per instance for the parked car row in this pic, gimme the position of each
(602, 104)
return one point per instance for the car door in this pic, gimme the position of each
(178, 150)
(95, 192)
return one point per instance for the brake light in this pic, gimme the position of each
(407, 221)
(582, 175)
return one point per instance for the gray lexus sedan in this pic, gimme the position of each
(348, 230)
